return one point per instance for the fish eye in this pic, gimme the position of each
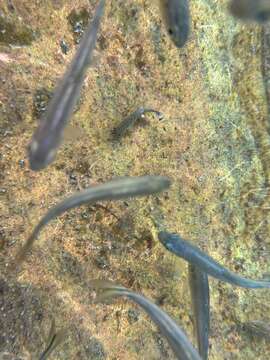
(170, 31)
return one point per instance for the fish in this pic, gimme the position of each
(182, 248)
(258, 328)
(199, 289)
(179, 342)
(54, 339)
(251, 10)
(115, 189)
(176, 16)
(129, 121)
(48, 136)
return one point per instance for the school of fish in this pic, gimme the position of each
(43, 150)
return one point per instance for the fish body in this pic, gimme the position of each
(258, 328)
(49, 133)
(182, 347)
(199, 288)
(113, 190)
(251, 10)
(129, 121)
(182, 248)
(54, 339)
(176, 16)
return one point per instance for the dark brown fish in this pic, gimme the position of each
(129, 121)
(49, 133)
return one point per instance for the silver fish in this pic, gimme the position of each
(48, 135)
(251, 10)
(182, 248)
(180, 344)
(113, 190)
(176, 16)
(199, 288)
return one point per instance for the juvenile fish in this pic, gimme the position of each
(48, 135)
(205, 263)
(199, 288)
(180, 344)
(54, 339)
(176, 16)
(251, 10)
(129, 121)
(117, 189)
(258, 328)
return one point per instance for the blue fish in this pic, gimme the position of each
(199, 288)
(182, 248)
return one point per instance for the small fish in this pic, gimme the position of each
(48, 135)
(176, 15)
(205, 263)
(199, 288)
(54, 339)
(113, 190)
(251, 10)
(182, 347)
(129, 121)
(258, 328)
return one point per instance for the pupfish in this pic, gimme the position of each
(176, 16)
(251, 10)
(199, 289)
(129, 121)
(54, 339)
(116, 189)
(180, 344)
(48, 136)
(182, 248)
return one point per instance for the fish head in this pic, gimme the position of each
(168, 239)
(176, 17)
(41, 152)
(178, 34)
